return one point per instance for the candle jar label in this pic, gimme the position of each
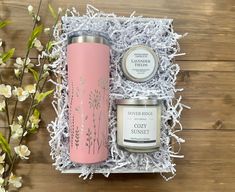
(139, 127)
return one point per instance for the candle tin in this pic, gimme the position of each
(140, 63)
(138, 124)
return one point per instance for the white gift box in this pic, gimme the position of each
(123, 32)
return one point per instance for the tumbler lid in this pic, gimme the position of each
(88, 39)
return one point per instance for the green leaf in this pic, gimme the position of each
(53, 13)
(33, 130)
(40, 96)
(35, 74)
(49, 45)
(4, 145)
(4, 23)
(36, 32)
(6, 56)
(36, 113)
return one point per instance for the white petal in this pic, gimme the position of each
(47, 30)
(18, 184)
(1, 180)
(30, 8)
(60, 10)
(28, 61)
(19, 61)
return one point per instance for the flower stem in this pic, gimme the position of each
(12, 161)
(32, 106)
(25, 60)
(7, 110)
(8, 119)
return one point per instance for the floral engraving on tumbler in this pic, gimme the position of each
(94, 101)
(77, 136)
(79, 93)
(89, 140)
(104, 86)
(72, 116)
(88, 80)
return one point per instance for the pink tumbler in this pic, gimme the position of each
(88, 83)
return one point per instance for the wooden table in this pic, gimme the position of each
(208, 76)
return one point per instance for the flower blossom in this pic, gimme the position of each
(2, 158)
(16, 131)
(2, 106)
(5, 90)
(30, 9)
(20, 93)
(22, 151)
(30, 88)
(37, 44)
(21, 62)
(15, 181)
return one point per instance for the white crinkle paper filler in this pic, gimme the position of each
(124, 32)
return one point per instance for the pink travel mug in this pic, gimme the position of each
(88, 83)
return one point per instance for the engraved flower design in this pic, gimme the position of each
(94, 99)
(104, 84)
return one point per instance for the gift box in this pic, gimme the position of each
(124, 33)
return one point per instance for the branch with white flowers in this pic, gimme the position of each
(22, 124)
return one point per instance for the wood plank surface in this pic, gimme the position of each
(208, 166)
(207, 76)
(200, 145)
(211, 33)
(210, 94)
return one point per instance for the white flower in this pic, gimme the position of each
(45, 74)
(20, 119)
(45, 67)
(30, 9)
(2, 189)
(38, 18)
(38, 45)
(20, 93)
(1, 181)
(15, 181)
(17, 72)
(30, 88)
(16, 131)
(2, 106)
(5, 90)
(47, 30)
(60, 10)
(22, 151)
(1, 169)
(34, 120)
(20, 64)
(2, 158)
(0, 42)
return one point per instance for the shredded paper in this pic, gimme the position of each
(123, 32)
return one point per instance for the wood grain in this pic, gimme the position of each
(207, 167)
(191, 176)
(207, 85)
(207, 76)
(200, 145)
(206, 66)
(211, 34)
(212, 103)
